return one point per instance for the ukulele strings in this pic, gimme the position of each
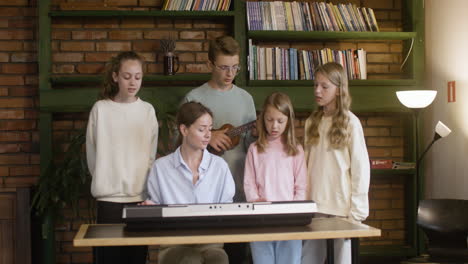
(238, 130)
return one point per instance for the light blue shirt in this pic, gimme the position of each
(170, 181)
(236, 107)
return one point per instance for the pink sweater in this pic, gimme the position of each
(273, 175)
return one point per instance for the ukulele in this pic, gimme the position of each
(233, 133)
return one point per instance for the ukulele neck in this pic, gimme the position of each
(240, 129)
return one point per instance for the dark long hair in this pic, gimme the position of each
(188, 114)
(110, 88)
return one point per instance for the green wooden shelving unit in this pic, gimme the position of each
(368, 95)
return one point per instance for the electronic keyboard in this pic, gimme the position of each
(158, 217)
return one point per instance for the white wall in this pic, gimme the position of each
(446, 164)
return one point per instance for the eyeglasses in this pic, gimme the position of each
(225, 68)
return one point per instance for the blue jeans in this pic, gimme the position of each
(276, 252)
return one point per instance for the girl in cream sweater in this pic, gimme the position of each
(337, 160)
(121, 143)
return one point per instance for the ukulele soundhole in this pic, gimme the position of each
(234, 133)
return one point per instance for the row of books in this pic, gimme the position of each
(292, 64)
(310, 16)
(197, 5)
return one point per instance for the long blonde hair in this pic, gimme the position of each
(282, 103)
(338, 135)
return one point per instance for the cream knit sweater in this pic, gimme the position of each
(121, 142)
(339, 178)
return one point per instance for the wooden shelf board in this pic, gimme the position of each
(164, 98)
(310, 83)
(365, 99)
(320, 35)
(146, 78)
(129, 13)
(391, 172)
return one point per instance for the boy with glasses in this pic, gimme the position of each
(230, 105)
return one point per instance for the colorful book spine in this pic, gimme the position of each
(266, 63)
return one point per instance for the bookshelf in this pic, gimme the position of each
(382, 91)
(371, 95)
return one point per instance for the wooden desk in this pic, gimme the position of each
(319, 228)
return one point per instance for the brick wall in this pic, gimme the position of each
(83, 45)
(19, 158)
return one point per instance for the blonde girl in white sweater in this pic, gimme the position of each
(337, 161)
(121, 142)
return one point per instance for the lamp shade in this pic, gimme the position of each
(416, 98)
(442, 129)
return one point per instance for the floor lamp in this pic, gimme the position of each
(416, 100)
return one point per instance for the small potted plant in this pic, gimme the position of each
(171, 61)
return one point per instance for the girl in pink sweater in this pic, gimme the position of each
(275, 171)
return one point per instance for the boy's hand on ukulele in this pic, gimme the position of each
(220, 141)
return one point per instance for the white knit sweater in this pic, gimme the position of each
(339, 178)
(121, 142)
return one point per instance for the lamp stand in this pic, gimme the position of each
(417, 112)
(418, 182)
(419, 178)
(436, 137)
